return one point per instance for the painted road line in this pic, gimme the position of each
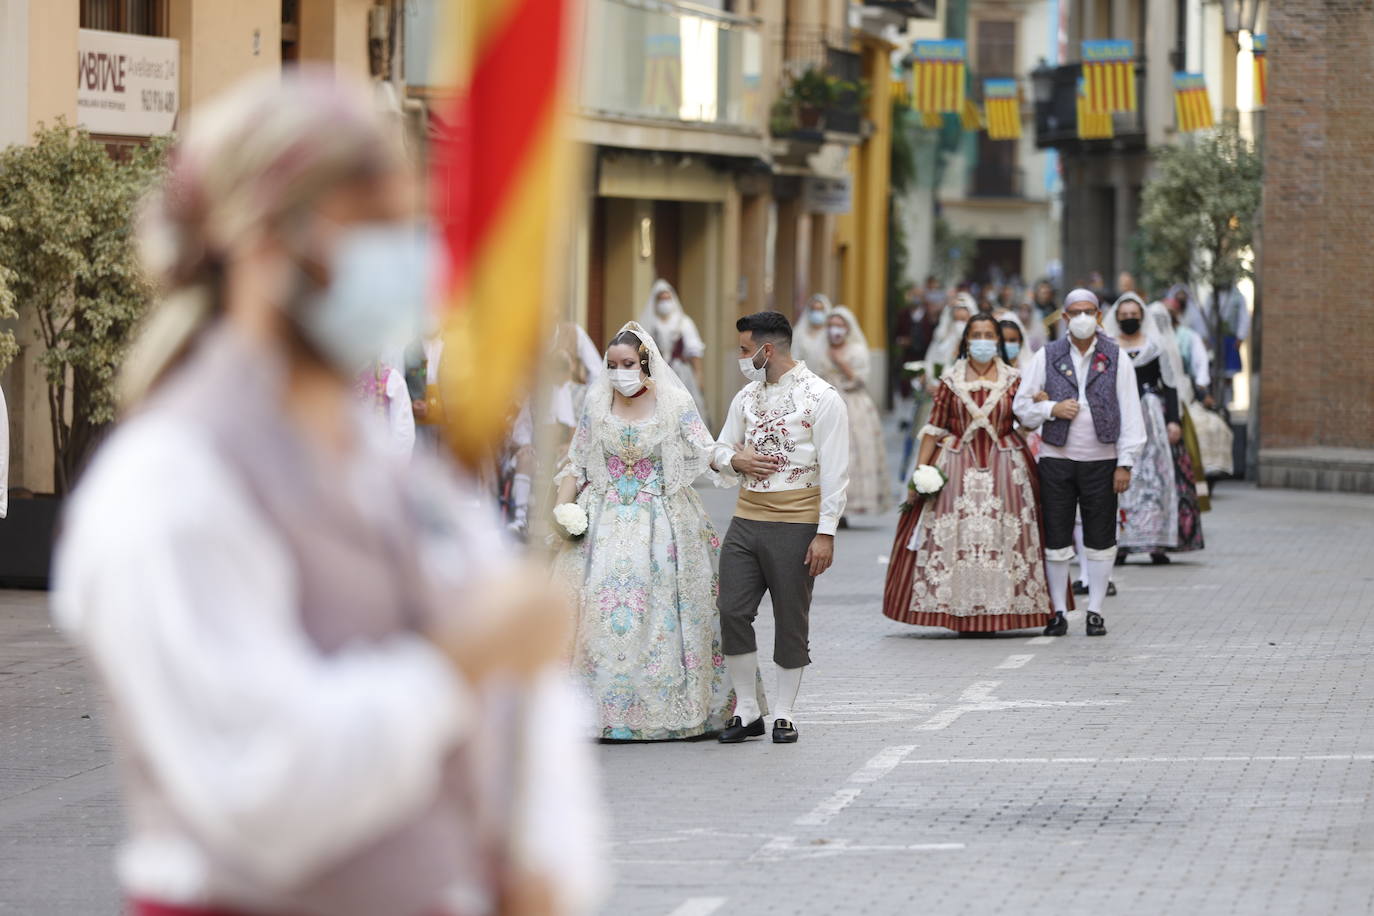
(1041, 640)
(1016, 661)
(822, 813)
(1264, 758)
(699, 906)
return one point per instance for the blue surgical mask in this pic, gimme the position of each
(982, 350)
(816, 317)
(381, 278)
(1013, 350)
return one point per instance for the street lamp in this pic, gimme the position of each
(1239, 15)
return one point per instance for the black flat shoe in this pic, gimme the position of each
(1059, 626)
(736, 731)
(1096, 625)
(1080, 588)
(1160, 559)
(1111, 588)
(784, 732)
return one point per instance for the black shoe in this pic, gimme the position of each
(736, 731)
(784, 732)
(1080, 588)
(844, 523)
(1160, 559)
(1120, 558)
(1096, 625)
(1059, 626)
(1111, 588)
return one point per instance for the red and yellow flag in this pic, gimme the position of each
(1192, 107)
(1261, 53)
(1003, 108)
(497, 179)
(939, 71)
(1092, 125)
(1109, 70)
(932, 120)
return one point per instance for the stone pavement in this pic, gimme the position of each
(1213, 754)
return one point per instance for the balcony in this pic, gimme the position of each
(996, 180)
(1056, 113)
(651, 61)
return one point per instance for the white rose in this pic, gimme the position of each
(927, 480)
(571, 518)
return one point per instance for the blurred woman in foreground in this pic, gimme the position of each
(301, 639)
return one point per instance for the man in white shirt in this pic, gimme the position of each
(1082, 395)
(788, 434)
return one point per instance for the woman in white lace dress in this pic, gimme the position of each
(678, 340)
(644, 576)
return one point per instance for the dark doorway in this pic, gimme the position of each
(996, 260)
(668, 241)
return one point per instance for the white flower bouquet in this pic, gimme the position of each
(571, 519)
(927, 480)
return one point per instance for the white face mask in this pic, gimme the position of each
(628, 382)
(750, 371)
(663, 307)
(816, 317)
(837, 335)
(959, 328)
(1083, 326)
(381, 278)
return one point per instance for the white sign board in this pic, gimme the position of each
(126, 84)
(826, 195)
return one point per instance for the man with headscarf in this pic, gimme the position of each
(1082, 396)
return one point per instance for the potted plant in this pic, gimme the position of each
(66, 214)
(814, 92)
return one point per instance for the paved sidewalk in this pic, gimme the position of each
(1213, 754)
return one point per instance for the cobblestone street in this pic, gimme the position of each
(1213, 754)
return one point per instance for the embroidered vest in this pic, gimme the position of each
(359, 581)
(1061, 384)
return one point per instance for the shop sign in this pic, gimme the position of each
(827, 195)
(126, 85)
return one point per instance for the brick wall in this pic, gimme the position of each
(1317, 254)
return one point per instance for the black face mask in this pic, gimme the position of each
(1130, 325)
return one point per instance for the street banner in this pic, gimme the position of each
(1192, 107)
(1002, 106)
(500, 170)
(1260, 50)
(662, 89)
(939, 71)
(932, 120)
(1092, 125)
(901, 92)
(1109, 69)
(971, 118)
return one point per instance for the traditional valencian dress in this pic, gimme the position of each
(870, 487)
(970, 558)
(647, 642)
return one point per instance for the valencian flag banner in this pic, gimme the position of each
(497, 181)
(1109, 70)
(662, 89)
(939, 70)
(1003, 109)
(932, 120)
(971, 118)
(1260, 49)
(1092, 125)
(1191, 105)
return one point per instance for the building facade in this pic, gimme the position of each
(205, 46)
(1316, 426)
(1003, 192)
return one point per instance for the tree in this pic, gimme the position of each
(1197, 216)
(66, 215)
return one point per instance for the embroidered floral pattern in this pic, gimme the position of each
(647, 641)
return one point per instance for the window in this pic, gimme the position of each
(137, 17)
(996, 48)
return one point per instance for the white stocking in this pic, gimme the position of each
(1081, 550)
(1099, 574)
(1059, 583)
(744, 673)
(789, 683)
(520, 497)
